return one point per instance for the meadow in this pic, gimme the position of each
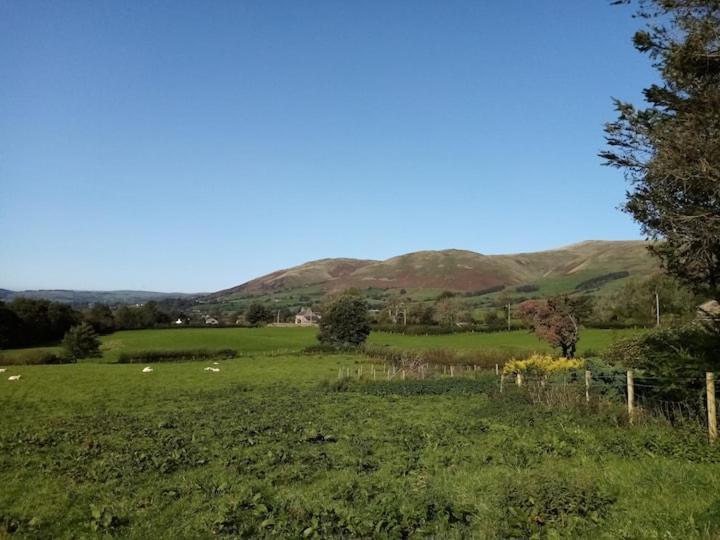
(274, 445)
(291, 340)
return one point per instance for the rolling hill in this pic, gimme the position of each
(91, 297)
(557, 270)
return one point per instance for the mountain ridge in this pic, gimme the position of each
(456, 269)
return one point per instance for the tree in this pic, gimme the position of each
(493, 321)
(670, 149)
(634, 302)
(556, 320)
(257, 313)
(10, 327)
(101, 318)
(421, 314)
(344, 321)
(447, 311)
(127, 317)
(81, 341)
(42, 321)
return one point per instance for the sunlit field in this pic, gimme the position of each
(275, 445)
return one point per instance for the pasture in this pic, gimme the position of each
(276, 446)
(292, 340)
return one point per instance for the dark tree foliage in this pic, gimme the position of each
(669, 149)
(146, 316)
(10, 327)
(258, 313)
(36, 322)
(344, 322)
(101, 318)
(81, 341)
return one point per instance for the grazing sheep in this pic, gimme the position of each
(14, 377)
(216, 363)
(213, 369)
(147, 369)
(3, 370)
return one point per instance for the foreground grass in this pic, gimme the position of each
(266, 448)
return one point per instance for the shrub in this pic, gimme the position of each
(484, 358)
(542, 365)
(143, 357)
(344, 322)
(674, 361)
(81, 341)
(436, 330)
(31, 358)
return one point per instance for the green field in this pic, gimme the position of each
(276, 446)
(279, 340)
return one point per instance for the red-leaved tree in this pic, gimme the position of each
(556, 320)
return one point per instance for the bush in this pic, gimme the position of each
(670, 362)
(81, 341)
(670, 351)
(146, 357)
(344, 322)
(32, 358)
(484, 358)
(437, 330)
(540, 365)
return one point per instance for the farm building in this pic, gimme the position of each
(306, 317)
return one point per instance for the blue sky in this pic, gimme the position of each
(191, 146)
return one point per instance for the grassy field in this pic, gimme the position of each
(274, 447)
(262, 340)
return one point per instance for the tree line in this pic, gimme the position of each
(26, 322)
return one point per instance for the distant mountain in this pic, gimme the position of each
(564, 269)
(92, 297)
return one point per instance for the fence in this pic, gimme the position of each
(640, 391)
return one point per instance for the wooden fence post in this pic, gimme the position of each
(711, 406)
(339, 373)
(502, 380)
(452, 371)
(403, 374)
(587, 386)
(631, 395)
(518, 379)
(497, 370)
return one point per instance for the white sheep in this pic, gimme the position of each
(14, 377)
(213, 369)
(147, 369)
(3, 370)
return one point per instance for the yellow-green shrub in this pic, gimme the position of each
(542, 365)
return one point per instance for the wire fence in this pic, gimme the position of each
(678, 397)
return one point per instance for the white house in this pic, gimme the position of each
(306, 317)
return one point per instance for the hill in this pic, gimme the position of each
(587, 266)
(91, 297)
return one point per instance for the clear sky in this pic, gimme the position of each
(191, 146)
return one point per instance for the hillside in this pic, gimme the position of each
(91, 297)
(562, 269)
